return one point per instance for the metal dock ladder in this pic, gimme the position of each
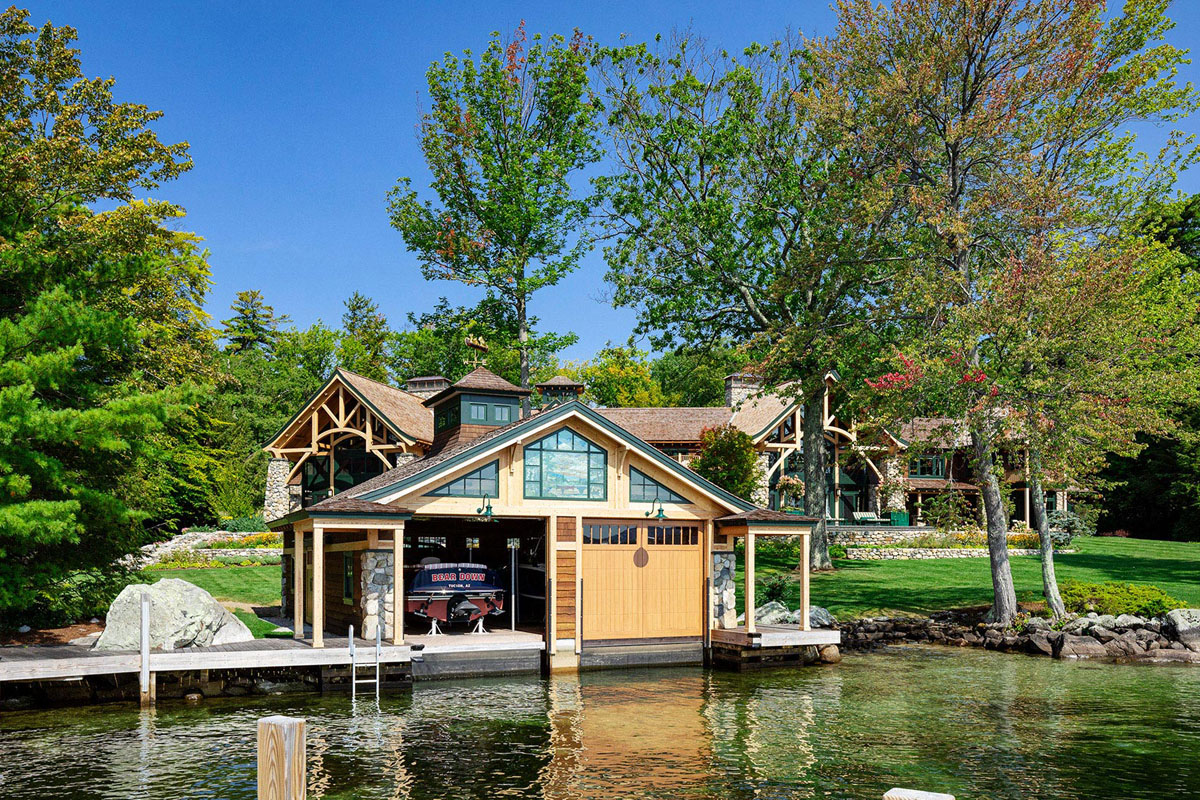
(354, 679)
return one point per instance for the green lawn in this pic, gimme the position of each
(875, 588)
(257, 586)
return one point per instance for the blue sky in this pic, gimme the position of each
(301, 117)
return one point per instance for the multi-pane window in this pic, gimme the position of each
(673, 534)
(503, 413)
(644, 489)
(610, 533)
(565, 466)
(484, 480)
(479, 412)
(928, 467)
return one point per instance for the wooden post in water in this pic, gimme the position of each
(913, 794)
(145, 676)
(281, 759)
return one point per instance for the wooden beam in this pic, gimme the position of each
(398, 584)
(318, 588)
(805, 582)
(749, 580)
(298, 587)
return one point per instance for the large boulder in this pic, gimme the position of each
(181, 615)
(1183, 625)
(1068, 646)
(772, 613)
(819, 617)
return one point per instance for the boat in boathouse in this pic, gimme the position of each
(452, 592)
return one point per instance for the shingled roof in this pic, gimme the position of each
(936, 431)
(344, 504)
(402, 409)
(661, 425)
(481, 379)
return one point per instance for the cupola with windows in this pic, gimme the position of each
(480, 402)
(558, 390)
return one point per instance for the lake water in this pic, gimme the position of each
(972, 723)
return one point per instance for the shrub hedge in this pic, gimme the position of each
(1117, 598)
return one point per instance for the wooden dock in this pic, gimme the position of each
(69, 661)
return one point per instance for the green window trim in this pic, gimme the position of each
(565, 466)
(485, 480)
(644, 489)
(928, 467)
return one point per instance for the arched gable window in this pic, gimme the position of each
(565, 466)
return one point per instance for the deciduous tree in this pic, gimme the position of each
(739, 215)
(505, 137)
(727, 458)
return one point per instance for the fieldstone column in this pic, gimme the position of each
(724, 592)
(285, 584)
(378, 596)
(762, 493)
(279, 499)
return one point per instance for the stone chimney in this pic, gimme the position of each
(739, 386)
(426, 386)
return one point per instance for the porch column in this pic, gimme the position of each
(1028, 519)
(749, 580)
(318, 589)
(805, 580)
(837, 484)
(298, 586)
(398, 584)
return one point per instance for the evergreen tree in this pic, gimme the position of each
(365, 334)
(253, 324)
(78, 413)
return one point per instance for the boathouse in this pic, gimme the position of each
(606, 548)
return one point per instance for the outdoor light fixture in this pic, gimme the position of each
(661, 514)
(486, 508)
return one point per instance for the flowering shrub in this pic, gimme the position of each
(254, 540)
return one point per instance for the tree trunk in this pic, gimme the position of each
(814, 477)
(1004, 604)
(1038, 501)
(523, 348)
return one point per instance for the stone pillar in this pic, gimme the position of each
(762, 493)
(279, 499)
(740, 386)
(377, 593)
(285, 584)
(724, 571)
(893, 477)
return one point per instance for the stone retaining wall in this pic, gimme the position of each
(907, 553)
(881, 535)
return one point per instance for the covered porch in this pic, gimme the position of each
(750, 527)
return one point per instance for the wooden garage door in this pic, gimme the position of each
(641, 581)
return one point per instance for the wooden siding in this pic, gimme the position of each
(338, 615)
(564, 593)
(566, 529)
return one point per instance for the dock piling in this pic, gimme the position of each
(281, 759)
(914, 794)
(145, 677)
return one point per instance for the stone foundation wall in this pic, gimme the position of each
(723, 589)
(377, 592)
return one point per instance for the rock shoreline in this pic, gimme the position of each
(1172, 638)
